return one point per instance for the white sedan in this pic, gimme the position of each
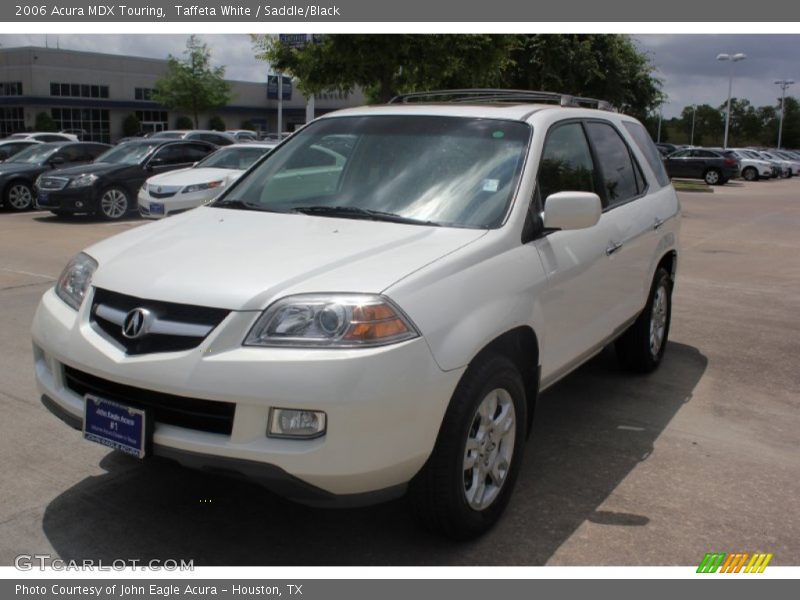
(178, 191)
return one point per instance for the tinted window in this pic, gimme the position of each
(679, 154)
(615, 163)
(219, 140)
(648, 148)
(73, 153)
(566, 164)
(174, 154)
(195, 152)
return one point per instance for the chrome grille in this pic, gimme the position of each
(163, 191)
(51, 183)
(170, 327)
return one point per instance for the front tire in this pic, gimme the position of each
(467, 482)
(19, 196)
(113, 204)
(641, 347)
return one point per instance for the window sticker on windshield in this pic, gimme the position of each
(490, 185)
(498, 135)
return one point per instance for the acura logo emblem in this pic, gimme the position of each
(136, 323)
(158, 190)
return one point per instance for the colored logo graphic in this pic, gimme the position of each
(734, 563)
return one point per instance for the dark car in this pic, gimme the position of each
(700, 163)
(666, 149)
(218, 138)
(9, 148)
(18, 174)
(108, 187)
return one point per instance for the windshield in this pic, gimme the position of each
(233, 158)
(128, 153)
(37, 154)
(450, 171)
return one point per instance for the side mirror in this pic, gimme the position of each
(154, 162)
(56, 161)
(572, 210)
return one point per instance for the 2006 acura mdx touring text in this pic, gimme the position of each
(373, 307)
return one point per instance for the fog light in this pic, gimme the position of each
(79, 204)
(290, 423)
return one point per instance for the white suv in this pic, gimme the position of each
(375, 305)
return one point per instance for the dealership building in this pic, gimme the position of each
(95, 93)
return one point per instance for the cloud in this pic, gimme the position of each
(692, 75)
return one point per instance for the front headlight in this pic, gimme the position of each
(199, 187)
(83, 181)
(324, 320)
(75, 280)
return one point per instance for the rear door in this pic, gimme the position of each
(630, 221)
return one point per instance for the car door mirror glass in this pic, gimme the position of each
(572, 210)
(57, 160)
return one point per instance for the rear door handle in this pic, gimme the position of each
(613, 248)
(658, 223)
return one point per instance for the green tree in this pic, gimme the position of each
(608, 67)
(709, 125)
(790, 137)
(385, 65)
(216, 123)
(248, 124)
(131, 125)
(183, 122)
(191, 84)
(44, 122)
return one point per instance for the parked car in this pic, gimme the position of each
(701, 163)
(44, 136)
(784, 165)
(347, 331)
(80, 134)
(243, 135)
(108, 187)
(9, 148)
(178, 191)
(18, 174)
(776, 167)
(217, 138)
(750, 169)
(793, 161)
(666, 149)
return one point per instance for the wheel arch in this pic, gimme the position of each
(521, 346)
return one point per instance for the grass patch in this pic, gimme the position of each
(691, 185)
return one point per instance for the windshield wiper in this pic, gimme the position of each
(355, 212)
(237, 204)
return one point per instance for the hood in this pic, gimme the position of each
(184, 177)
(95, 168)
(244, 260)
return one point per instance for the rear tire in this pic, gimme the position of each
(467, 482)
(641, 347)
(750, 174)
(712, 177)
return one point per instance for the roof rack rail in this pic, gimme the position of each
(500, 95)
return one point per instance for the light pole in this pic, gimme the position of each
(660, 116)
(784, 83)
(694, 116)
(732, 58)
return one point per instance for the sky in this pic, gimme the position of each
(686, 63)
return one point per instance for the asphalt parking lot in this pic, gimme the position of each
(651, 470)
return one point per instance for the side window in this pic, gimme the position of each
(621, 182)
(95, 150)
(312, 157)
(648, 148)
(5, 152)
(73, 154)
(174, 154)
(566, 164)
(195, 152)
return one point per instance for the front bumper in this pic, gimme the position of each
(175, 204)
(384, 405)
(74, 200)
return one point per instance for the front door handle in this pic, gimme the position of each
(613, 248)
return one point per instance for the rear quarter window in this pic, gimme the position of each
(648, 148)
